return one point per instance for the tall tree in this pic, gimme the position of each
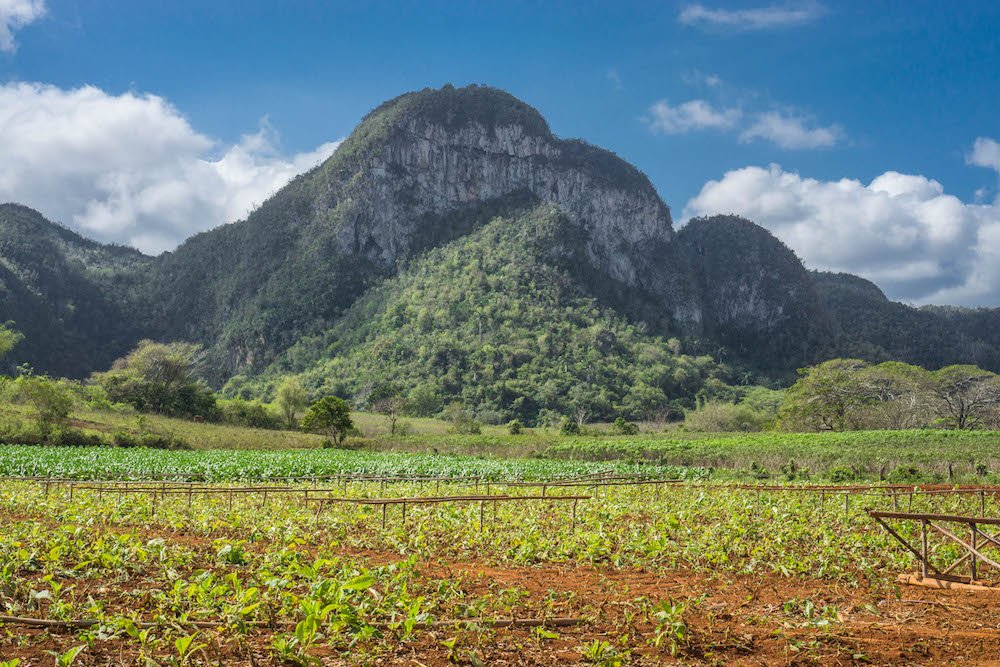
(966, 394)
(825, 396)
(291, 398)
(160, 378)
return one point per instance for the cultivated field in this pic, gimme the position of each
(477, 561)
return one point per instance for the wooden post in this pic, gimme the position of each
(404, 514)
(975, 545)
(924, 554)
(384, 507)
(574, 516)
(982, 502)
(482, 509)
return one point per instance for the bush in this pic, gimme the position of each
(841, 474)
(150, 440)
(460, 419)
(716, 417)
(249, 413)
(569, 427)
(515, 427)
(911, 475)
(51, 400)
(622, 427)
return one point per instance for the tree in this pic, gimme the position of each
(901, 396)
(52, 402)
(330, 416)
(965, 394)
(8, 339)
(391, 407)
(291, 399)
(825, 396)
(160, 378)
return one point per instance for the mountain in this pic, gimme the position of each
(454, 245)
(70, 296)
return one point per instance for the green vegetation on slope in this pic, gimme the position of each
(72, 298)
(495, 321)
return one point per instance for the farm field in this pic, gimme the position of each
(933, 455)
(239, 573)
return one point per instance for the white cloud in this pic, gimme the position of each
(16, 14)
(790, 131)
(130, 168)
(690, 116)
(787, 130)
(757, 18)
(902, 231)
(985, 153)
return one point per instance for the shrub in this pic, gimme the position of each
(569, 427)
(249, 413)
(460, 419)
(150, 440)
(515, 427)
(910, 475)
(160, 378)
(716, 417)
(841, 474)
(622, 427)
(51, 401)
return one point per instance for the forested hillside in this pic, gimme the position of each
(496, 320)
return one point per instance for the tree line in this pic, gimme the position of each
(852, 394)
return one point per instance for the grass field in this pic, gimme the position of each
(929, 455)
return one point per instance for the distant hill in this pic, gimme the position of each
(453, 244)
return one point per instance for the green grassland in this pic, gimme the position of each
(917, 455)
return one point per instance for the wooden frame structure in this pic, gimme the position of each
(974, 546)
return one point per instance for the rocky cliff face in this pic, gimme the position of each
(428, 169)
(759, 299)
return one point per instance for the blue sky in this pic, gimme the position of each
(758, 108)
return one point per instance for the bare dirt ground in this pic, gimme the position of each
(731, 619)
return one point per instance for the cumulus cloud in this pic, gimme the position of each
(690, 116)
(790, 131)
(985, 153)
(130, 168)
(902, 231)
(16, 14)
(756, 18)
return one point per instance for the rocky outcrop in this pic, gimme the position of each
(426, 170)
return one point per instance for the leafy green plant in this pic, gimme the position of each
(671, 629)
